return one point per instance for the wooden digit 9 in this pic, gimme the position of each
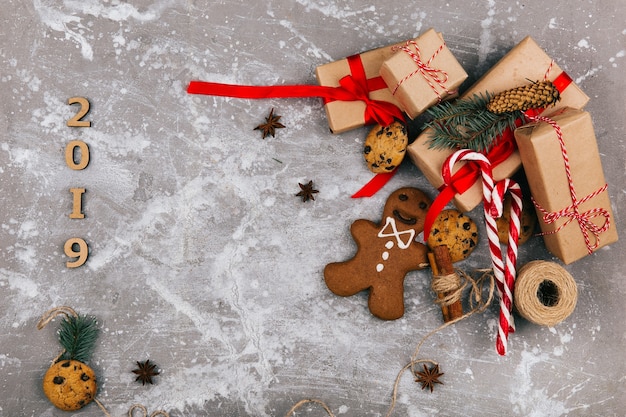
(81, 254)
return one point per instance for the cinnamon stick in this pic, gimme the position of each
(441, 265)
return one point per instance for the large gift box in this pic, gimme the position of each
(365, 68)
(526, 61)
(422, 73)
(574, 212)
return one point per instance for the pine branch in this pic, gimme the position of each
(77, 335)
(467, 124)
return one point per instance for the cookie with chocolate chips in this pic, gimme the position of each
(455, 230)
(385, 147)
(70, 385)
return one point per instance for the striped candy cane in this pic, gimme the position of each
(503, 269)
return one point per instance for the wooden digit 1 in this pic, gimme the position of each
(74, 163)
(77, 203)
(81, 254)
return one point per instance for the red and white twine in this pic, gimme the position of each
(572, 212)
(433, 76)
(503, 267)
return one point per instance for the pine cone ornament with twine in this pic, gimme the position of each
(533, 96)
(478, 122)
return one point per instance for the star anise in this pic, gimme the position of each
(270, 125)
(307, 191)
(145, 371)
(429, 377)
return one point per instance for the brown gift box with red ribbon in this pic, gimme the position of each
(574, 211)
(364, 68)
(422, 73)
(526, 61)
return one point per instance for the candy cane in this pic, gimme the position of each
(503, 270)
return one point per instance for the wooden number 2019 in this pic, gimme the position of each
(76, 247)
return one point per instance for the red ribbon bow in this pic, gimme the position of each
(352, 87)
(376, 111)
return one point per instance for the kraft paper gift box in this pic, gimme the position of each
(418, 89)
(544, 165)
(526, 61)
(346, 115)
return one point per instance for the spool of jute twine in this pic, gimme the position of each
(545, 293)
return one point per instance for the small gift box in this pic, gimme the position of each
(422, 73)
(562, 163)
(364, 70)
(526, 61)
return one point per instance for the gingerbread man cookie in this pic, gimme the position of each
(386, 252)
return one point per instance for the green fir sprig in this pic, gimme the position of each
(467, 124)
(77, 335)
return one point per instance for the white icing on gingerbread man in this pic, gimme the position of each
(402, 244)
(385, 254)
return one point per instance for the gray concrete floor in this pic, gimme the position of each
(203, 260)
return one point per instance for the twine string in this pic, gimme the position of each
(301, 403)
(450, 286)
(573, 212)
(143, 410)
(529, 300)
(547, 73)
(432, 76)
(478, 304)
(51, 314)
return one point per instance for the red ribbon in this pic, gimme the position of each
(465, 177)
(375, 184)
(352, 87)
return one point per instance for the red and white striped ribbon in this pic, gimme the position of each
(503, 268)
(433, 76)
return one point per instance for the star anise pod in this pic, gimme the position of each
(307, 191)
(429, 377)
(145, 371)
(270, 125)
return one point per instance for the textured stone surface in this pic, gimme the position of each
(202, 258)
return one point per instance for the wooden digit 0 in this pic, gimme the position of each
(77, 121)
(81, 254)
(84, 155)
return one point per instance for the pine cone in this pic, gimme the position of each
(532, 96)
